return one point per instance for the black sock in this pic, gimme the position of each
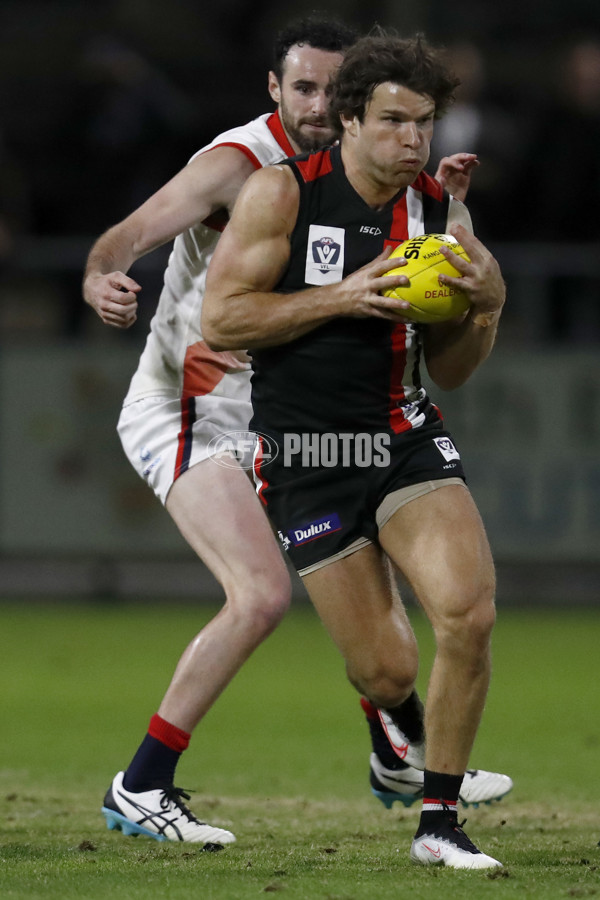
(440, 798)
(152, 766)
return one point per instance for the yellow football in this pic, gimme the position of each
(429, 300)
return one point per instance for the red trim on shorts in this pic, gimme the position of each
(258, 459)
(185, 436)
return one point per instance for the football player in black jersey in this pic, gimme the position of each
(336, 365)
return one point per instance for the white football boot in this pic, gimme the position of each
(479, 786)
(406, 785)
(412, 753)
(159, 814)
(390, 785)
(448, 845)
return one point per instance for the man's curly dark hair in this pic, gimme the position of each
(383, 57)
(320, 32)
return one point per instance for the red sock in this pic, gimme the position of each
(168, 734)
(369, 710)
(157, 756)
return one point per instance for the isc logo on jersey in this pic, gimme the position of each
(324, 255)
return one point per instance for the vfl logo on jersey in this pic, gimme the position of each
(317, 529)
(324, 255)
(326, 252)
(446, 448)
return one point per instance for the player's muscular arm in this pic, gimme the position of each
(210, 182)
(240, 308)
(453, 350)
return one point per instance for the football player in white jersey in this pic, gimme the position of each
(184, 398)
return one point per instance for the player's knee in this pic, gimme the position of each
(480, 614)
(467, 629)
(385, 691)
(386, 685)
(260, 606)
(483, 619)
(271, 609)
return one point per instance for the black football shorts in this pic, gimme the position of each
(328, 495)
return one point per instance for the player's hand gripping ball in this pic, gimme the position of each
(429, 300)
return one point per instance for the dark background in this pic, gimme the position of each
(100, 104)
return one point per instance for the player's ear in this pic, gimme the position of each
(350, 123)
(274, 88)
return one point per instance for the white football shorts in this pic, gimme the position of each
(164, 436)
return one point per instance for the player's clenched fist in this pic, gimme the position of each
(114, 297)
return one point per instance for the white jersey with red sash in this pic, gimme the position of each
(176, 361)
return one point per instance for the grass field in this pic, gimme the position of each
(282, 761)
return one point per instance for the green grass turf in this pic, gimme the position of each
(282, 761)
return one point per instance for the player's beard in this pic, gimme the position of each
(305, 142)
